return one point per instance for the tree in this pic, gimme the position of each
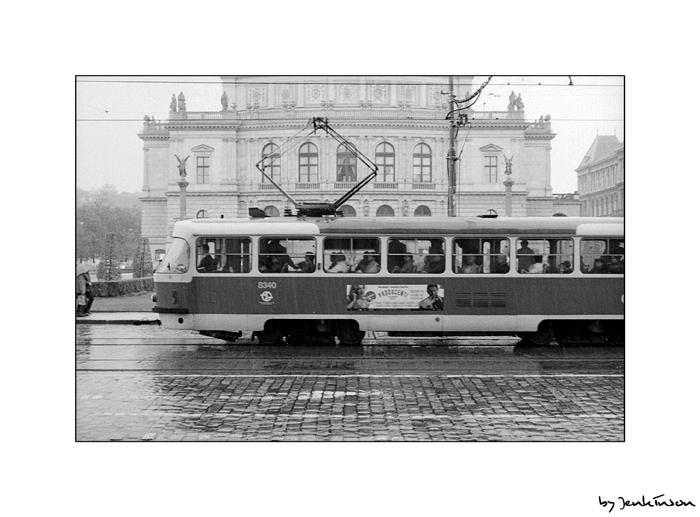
(104, 210)
(143, 265)
(107, 270)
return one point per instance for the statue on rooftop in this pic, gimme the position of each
(173, 104)
(511, 101)
(224, 101)
(181, 105)
(520, 106)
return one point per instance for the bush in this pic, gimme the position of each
(122, 287)
(143, 265)
(107, 270)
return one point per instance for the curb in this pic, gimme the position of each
(120, 318)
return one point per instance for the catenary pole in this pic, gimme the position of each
(452, 155)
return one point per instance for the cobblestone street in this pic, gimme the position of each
(154, 384)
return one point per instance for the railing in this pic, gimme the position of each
(266, 186)
(308, 186)
(344, 185)
(306, 112)
(424, 186)
(497, 115)
(385, 185)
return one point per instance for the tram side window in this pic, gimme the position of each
(409, 256)
(482, 255)
(603, 256)
(287, 255)
(177, 259)
(549, 256)
(223, 255)
(351, 255)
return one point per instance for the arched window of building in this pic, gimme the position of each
(346, 170)
(202, 214)
(348, 211)
(422, 211)
(385, 158)
(385, 211)
(272, 211)
(308, 163)
(272, 162)
(422, 164)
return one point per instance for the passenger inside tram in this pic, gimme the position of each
(501, 264)
(338, 264)
(309, 264)
(472, 265)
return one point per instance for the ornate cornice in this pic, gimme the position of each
(548, 136)
(219, 193)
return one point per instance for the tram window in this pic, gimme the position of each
(286, 255)
(416, 256)
(549, 256)
(603, 256)
(223, 255)
(177, 259)
(351, 255)
(482, 255)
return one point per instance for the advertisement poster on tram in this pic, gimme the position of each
(402, 297)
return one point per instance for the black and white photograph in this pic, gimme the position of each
(350, 258)
(358, 259)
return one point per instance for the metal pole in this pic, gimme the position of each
(182, 168)
(183, 198)
(509, 185)
(509, 202)
(451, 155)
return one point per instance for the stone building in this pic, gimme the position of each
(601, 178)
(397, 122)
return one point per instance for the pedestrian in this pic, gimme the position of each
(83, 291)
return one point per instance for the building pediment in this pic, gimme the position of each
(202, 149)
(491, 148)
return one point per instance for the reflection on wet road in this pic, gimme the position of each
(137, 383)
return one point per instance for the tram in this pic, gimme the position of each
(327, 278)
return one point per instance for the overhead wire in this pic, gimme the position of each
(566, 82)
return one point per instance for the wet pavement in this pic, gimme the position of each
(149, 383)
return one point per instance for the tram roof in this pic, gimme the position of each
(403, 226)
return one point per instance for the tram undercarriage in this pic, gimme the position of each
(310, 331)
(348, 333)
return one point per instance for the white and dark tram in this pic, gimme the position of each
(298, 279)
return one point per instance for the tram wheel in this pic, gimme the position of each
(614, 332)
(272, 335)
(349, 332)
(544, 334)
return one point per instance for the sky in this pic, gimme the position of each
(110, 113)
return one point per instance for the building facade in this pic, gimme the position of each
(601, 178)
(399, 123)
